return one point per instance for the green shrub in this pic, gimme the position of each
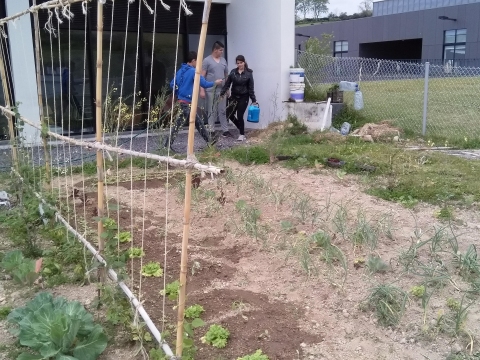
(350, 115)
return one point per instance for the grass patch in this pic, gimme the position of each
(452, 106)
(402, 176)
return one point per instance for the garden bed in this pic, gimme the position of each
(256, 271)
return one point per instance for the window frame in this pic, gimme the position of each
(342, 51)
(454, 45)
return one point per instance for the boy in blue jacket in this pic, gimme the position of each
(183, 89)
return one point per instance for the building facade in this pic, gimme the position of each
(246, 27)
(439, 31)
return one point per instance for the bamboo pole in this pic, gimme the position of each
(6, 94)
(99, 133)
(188, 180)
(39, 93)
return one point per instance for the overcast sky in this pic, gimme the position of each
(348, 6)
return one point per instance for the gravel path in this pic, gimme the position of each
(62, 154)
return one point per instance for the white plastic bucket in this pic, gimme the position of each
(297, 75)
(297, 91)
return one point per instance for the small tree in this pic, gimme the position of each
(319, 7)
(322, 46)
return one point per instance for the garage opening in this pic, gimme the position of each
(410, 49)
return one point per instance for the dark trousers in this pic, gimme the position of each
(182, 118)
(236, 110)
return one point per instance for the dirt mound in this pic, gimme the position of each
(381, 131)
(263, 134)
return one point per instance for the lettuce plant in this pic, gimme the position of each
(54, 328)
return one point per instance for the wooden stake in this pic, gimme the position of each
(6, 94)
(188, 181)
(39, 93)
(99, 133)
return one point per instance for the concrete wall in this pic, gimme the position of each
(263, 31)
(411, 25)
(22, 62)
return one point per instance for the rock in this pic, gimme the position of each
(345, 313)
(303, 345)
(403, 341)
(396, 138)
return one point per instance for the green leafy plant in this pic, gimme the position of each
(21, 269)
(135, 253)
(171, 290)
(194, 311)
(216, 336)
(418, 291)
(258, 355)
(124, 236)
(57, 328)
(152, 269)
(4, 311)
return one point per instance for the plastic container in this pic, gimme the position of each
(345, 129)
(297, 75)
(358, 100)
(253, 114)
(348, 86)
(297, 91)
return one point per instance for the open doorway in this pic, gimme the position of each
(410, 49)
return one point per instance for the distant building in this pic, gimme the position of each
(440, 31)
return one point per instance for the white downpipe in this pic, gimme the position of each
(325, 114)
(112, 274)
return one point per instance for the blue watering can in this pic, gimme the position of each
(253, 114)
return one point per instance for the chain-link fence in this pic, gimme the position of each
(440, 101)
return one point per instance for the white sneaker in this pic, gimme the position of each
(241, 138)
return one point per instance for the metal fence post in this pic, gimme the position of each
(425, 99)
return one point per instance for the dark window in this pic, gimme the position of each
(340, 48)
(454, 47)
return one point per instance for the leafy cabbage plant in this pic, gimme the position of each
(55, 328)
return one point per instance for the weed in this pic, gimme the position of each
(350, 115)
(388, 302)
(453, 304)
(418, 291)
(4, 312)
(445, 213)
(251, 220)
(294, 127)
(376, 265)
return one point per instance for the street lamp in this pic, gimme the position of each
(446, 18)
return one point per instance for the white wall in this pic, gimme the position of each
(264, 32)
(22, 62)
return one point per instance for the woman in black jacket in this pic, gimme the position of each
(241, 80)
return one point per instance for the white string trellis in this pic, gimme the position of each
(62, 12)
